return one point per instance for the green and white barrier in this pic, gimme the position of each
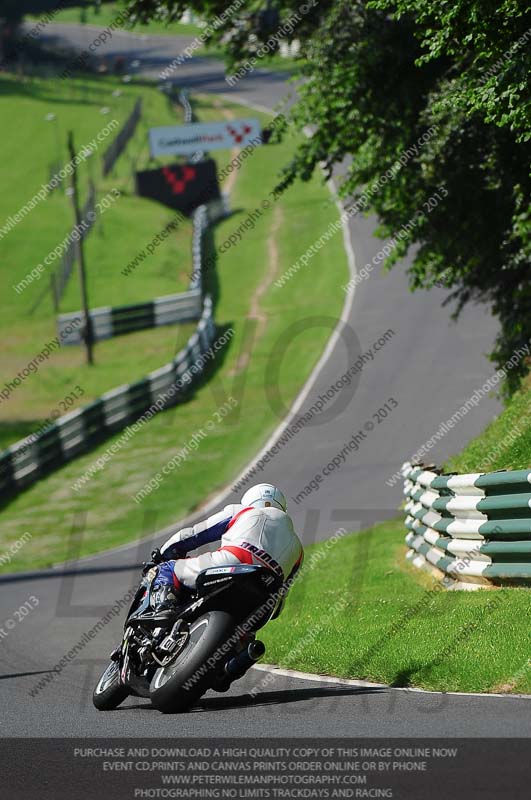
(474, 528)
(78, 431)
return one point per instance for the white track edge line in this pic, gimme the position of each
(308, 676)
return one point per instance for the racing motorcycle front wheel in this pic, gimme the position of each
(109, 692)
(178, 685)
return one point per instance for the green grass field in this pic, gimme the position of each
(119, 234)
(394, 628)
(504, 444)
(105, 14)
(432, 645)
(241, 283)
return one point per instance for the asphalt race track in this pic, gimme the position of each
(430, 366)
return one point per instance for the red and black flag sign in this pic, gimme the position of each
(182, 187)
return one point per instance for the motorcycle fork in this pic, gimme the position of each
(125, 657)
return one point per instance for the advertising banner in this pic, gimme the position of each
(188, 139)
(182, 187)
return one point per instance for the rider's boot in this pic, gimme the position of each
(167, 601)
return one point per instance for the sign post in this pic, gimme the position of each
(81, 254)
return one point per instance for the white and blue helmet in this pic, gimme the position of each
(264, 495)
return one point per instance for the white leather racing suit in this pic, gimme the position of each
(263, 536)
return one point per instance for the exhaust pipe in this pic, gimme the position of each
(239, 665)
(256, 650)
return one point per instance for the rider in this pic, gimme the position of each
(256, 531)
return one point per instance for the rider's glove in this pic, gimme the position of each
(156, 559)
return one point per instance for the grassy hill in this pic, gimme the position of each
(504, 444)
(393, 627)
(242, 284)
(31, 145)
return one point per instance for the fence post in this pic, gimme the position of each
(53, 287)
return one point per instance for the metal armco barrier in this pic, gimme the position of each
(78, 431)
(109, 322)
(118, 144)
(167, 310)
(474, 528)
(188, 118)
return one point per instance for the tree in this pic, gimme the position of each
(385, 77)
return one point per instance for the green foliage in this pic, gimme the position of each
(377, 76)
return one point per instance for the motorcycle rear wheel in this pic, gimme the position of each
(178, 686)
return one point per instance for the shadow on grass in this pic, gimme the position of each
(103, 434)
(410, 676)
(57, 91)
(14, 430)
(211, 368)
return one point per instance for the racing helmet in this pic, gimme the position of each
(264, 495)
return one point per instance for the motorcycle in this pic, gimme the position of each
(207, 642)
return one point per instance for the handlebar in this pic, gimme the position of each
(156, 559)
